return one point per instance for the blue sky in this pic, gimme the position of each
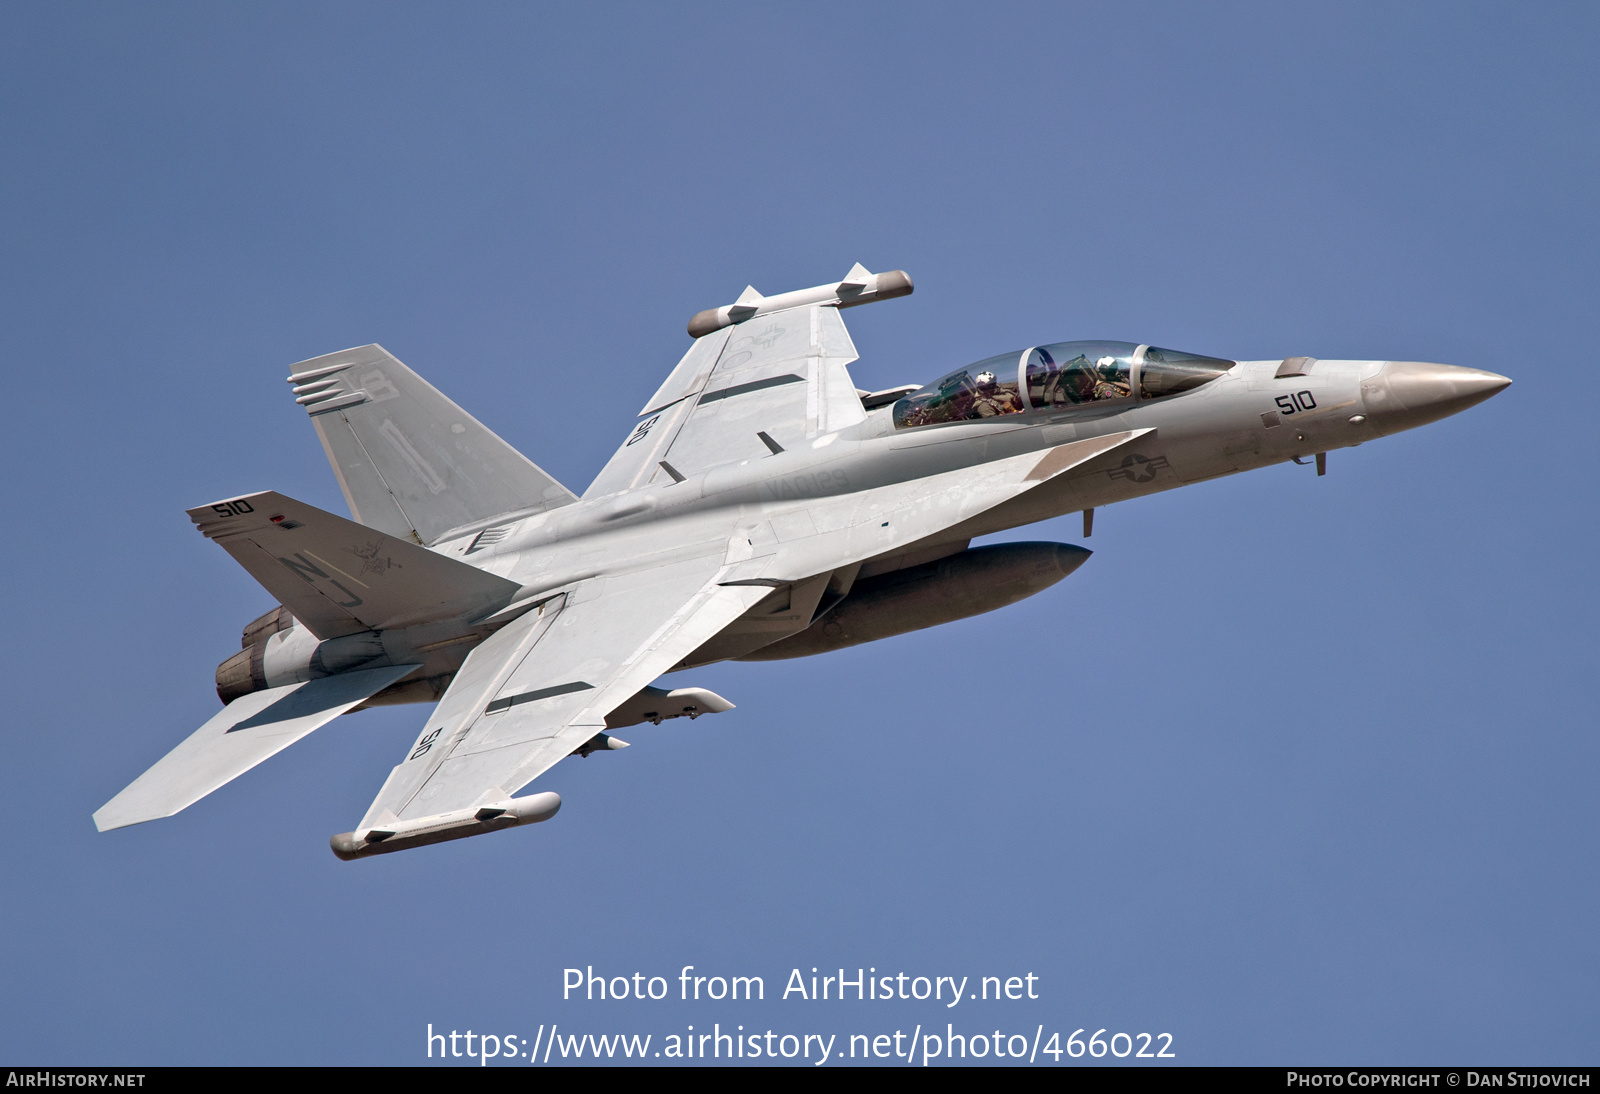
(1298, 770)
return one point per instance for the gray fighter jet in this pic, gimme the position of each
(762, 507)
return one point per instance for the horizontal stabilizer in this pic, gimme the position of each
(245, 732)
(411, 462)
(338, 577)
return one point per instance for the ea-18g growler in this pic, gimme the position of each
(762, 507)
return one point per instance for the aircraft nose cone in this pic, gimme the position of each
(1407, 394)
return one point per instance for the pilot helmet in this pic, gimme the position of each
(986, 379)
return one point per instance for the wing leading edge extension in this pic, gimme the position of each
(877, 522)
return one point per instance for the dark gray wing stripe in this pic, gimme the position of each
(532, 696)
(753, 385)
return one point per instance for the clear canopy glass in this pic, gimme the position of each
(987, 389)
(1066, 374)
(1058, 376)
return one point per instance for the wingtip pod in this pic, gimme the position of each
(860, 286)
(459, 824)
(656, 705)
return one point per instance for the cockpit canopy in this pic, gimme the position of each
(1058, 376)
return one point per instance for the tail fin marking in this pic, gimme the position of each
(338, 577)
(410, 462)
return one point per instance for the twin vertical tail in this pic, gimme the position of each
(412, 463)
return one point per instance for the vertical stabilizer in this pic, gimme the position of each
(412, 463)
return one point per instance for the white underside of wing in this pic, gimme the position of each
(543, 685)
(247, 731)
(526, 699)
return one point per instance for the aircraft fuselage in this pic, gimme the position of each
(1250, 417)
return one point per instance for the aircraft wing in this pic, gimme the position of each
(784, 375)
(542, 685)
(241, 735)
